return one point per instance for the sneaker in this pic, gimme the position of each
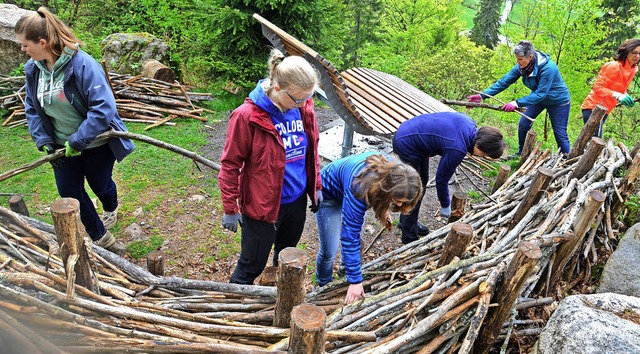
(107, 241)
(109, 218)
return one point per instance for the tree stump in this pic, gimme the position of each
(155, 262)
(269, 276)
(292, 266)
(628, 185)
(456, 243)
(307, 329)
(158, 71)
(540, 182)
(458, 202)
(585, 164)
(587, 131)
(17, 205)
(77, 265)
(527, 148)
(503, 175)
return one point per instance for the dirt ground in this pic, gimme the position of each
(204, 250)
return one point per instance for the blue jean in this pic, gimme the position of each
(559, 117)
(96, 166)
(329, 221)
(586, 113)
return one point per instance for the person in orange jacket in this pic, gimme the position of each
(613, 81)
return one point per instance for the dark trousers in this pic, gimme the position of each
(409, 222)
(96, 166)
(559, 118)
(586, 113)
(258, 237)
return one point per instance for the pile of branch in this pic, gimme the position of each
(138, 99)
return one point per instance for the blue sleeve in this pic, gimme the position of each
(449, 161)
(509, 78)
(353, 211)
(545, 79)
(99, 98)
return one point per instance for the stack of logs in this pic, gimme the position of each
(138, 99)
(459, 289)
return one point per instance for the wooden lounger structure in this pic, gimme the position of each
(369, 101)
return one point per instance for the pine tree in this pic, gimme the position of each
(486, 23)
(620, 17)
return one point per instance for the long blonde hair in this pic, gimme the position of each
(292, 72)
(42, 24)
(383, 181)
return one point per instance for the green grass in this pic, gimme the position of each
(140, 249)
(469, 9)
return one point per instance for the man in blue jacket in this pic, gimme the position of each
(451, 135)
(548, 91)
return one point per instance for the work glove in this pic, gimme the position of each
(69, 151)
(319, 199)
(475, 98)
(445, 212)
(510, 107)
(625, 99)
(230, 222)
(57, 163)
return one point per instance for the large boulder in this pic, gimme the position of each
(593, 324)
(10, 54)
(621, 274)
(125, 53)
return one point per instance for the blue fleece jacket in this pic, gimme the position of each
(545, 82)
(449, 134)
(337, 184)
(87, 89)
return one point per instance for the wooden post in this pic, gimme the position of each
(627, 186)
(456, 243)
(17, 205)
(158, 71)
(581, 225)
(527, 148)
(587, 131)
(506, 294)
(540, 182)
(66, 221)
(155, 262)
(458, 202)
(586, 161)
(307, 329)
(269, 276)
(503, 175)
(292, 266)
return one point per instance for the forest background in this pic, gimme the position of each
(447, 48)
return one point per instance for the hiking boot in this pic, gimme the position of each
(423, 230)
(107, 241)
(109, 218)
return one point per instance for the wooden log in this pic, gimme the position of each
(158, 71)
(155, 262)
(506, 294)
(538, 186)
(269, 276)
(33, 339)
(17, 205)
(587, 131)
(503, 174)
(586, 161)
(627, 186)
(527, 148)
(66, 221)
(307, 329)
(581, 225)
(456, 243)
(458, 202)
(292, 266)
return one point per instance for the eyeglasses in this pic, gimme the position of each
(296, 101)
(635, 54)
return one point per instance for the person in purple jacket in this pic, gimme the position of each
(68, 104)
(350, 186)
(451, 135)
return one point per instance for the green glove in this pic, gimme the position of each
(627, 101)
(69, 152)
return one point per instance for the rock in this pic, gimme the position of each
(621, 274)
(10, 54)
(197, 198)
(134, 233)
(593, 324)
(125, 53)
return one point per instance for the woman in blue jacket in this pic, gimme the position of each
(548, 91)
(350, 186)
(68, 103)
(452, 135)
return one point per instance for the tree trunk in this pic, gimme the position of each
(156, 70)
(292, 266)
(587, 131)
(307, 329)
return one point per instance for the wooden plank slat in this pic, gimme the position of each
(375, 97)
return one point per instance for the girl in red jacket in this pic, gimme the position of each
(613, 81)
(270, 164)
